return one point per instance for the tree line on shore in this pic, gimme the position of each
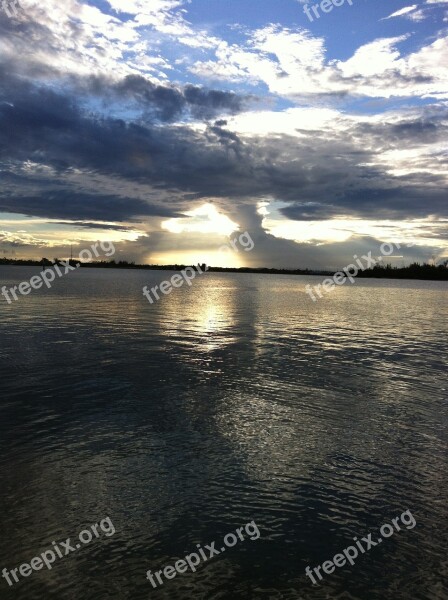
(413, 271)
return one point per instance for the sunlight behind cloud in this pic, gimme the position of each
(204, 219)
(215, 258)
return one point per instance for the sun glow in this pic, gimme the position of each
(204, 219)
(214, 258)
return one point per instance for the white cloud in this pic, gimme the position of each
(400, 13)
(76, 38)
(73, 37)
(373, 59)
(414, 13)
(292, 121)
(293, 64)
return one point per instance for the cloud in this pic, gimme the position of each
(416, 12)
(88, 168)
(293, 64)
(166, 102)
(74, 205)
(76, 40)
(87, 225)
(101, 127)
(403, 11)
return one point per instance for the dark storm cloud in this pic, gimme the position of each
(429, 128)
(80, 206)
(166, 102)
(87, 225)
(310, 211)
(417, 129)
(321, 176)
(376, 202)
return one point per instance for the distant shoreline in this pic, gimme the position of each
(418, 271)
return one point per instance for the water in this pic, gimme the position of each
(236, 400)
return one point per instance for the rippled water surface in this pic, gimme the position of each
(237, 399)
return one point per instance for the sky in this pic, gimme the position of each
(169, 127)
